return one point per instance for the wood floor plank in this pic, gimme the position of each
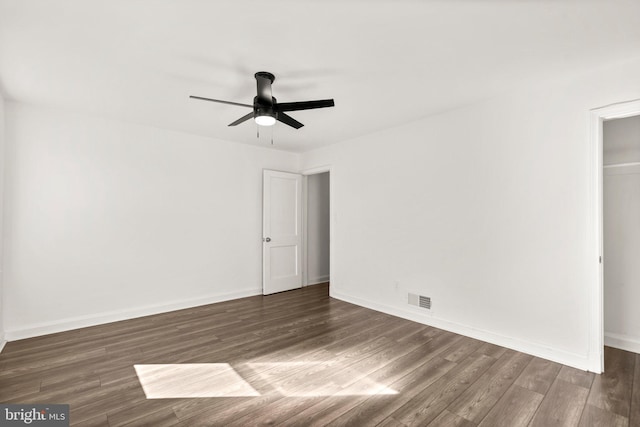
(450, 419)
(595, 417)
(634, 413)
(269, 417)
(376, 408)
(477, 400)
(301, 358)
(491, 350)
(576, 376)
(514, 409)
(223, 412)
(390, 422)
(12, 372)
(421, 336)
(13, 392)
(70, 384)
(398, 371)
(326, 410)
(562, 406)
(121, 397)
(245, 409)
(205, 411)
(435, 398)
(539, 375)
(350, 380)
(98, 421)
(333, 407)
(151, 413)
(240, 346)
(612, 390)
(469, 346)
(69, 372)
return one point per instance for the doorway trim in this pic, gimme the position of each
(596, 217)
(305, 268)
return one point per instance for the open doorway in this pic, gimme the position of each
(597, 255)
(317, 229)
(621, 232)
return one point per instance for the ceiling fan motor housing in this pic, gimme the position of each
(265, 75)
(264, 110)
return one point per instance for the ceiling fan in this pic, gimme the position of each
(265, 108)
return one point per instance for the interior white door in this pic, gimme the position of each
(282, 231)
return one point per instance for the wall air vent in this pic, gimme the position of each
(425, 302)
(420, 301)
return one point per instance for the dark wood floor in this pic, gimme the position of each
(300, 358)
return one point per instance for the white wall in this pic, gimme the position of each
(318, 228)
(621, 140)
(621, 204)
(106, 220)
(485, 209)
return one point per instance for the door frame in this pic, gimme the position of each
(305, 174)
(596, 224)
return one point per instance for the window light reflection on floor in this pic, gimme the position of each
(295, 379)
(192, 380)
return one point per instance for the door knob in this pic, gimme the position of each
(267, 239)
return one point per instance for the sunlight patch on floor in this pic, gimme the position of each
(309, 379)
(192, 380)
(289, 379)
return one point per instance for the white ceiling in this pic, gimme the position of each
(385, 62)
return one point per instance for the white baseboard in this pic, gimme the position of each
(623, 342)
(318, 279)
(539, 350)
(68, 324)
(2, 344)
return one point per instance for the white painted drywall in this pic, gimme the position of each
(2, 133)
(621, 204)
(485, 209)
(108, 220)
(318, 228)
(621, 141)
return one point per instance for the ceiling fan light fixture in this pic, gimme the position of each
(265, 120)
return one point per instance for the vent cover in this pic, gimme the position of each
(425, 302)
(420, 301)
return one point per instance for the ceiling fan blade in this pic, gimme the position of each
(288, 120)
(242, 119)
(221, 102)
(305, 105)
(264, 81)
